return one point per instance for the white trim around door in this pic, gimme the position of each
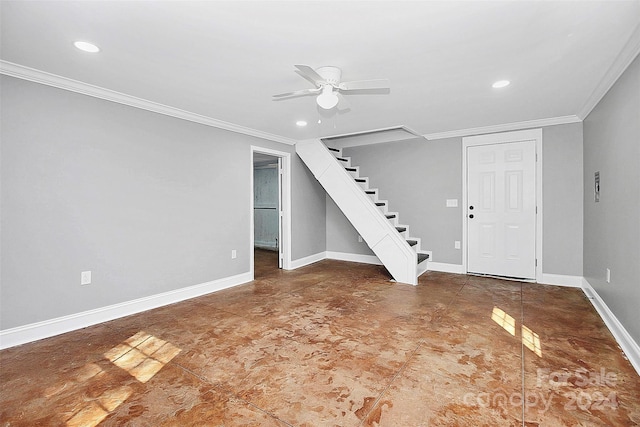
(285, 160)
(503, 138)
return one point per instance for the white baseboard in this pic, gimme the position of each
(624, 339)
(445, 267)
(562, 280)
(48, 328)
(372, 259)
(344, 256)
(301, 262)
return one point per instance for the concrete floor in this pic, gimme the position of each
(334, 344)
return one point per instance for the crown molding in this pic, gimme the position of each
(506, 127)
(626, 56)
(42, 77)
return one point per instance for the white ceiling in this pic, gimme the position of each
(224, 60)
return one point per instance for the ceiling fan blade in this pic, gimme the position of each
(343, 104)
(296, 93)
(365, 84)
(310, 74)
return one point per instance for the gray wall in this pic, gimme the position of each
(612, 226)
(417, 177)
(308, 222)
(147, 202)
(562, 199)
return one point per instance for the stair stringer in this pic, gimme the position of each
(379, 233)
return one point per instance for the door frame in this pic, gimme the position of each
(285, 201)
(505, 138)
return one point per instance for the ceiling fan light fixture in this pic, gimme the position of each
(327, 99)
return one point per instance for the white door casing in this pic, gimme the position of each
(502, 196)
(280, 215)
(284, 206)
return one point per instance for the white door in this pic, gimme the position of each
(501, 209)
(280, 215)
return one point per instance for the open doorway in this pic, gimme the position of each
(270, 225)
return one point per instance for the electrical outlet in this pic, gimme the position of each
(85, 278)
(456, 244)
(234, 254)
(452, 203)
(608, 276)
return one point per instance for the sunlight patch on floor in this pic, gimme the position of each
(143, 355)
(530, 339)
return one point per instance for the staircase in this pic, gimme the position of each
(369, 215)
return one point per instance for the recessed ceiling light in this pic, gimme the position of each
(87, 47)
(501, 83)
(301, 123)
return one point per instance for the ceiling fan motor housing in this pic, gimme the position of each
(330, 74)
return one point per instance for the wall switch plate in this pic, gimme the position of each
(234, 254)
(608, 276)
(85, 278)
(452, 203)
(456, 244)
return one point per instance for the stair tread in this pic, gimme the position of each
(380, 203)
(412, 242)
(390, 216)
(401, 229)
(351, 169)
(422, 257)
(361, 180)
(333, 149)
(370, 192)
(342, 159)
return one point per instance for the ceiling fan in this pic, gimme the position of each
(330, 88)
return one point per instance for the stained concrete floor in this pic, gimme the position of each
(334, 344)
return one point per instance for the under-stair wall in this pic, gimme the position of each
(369, 215)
